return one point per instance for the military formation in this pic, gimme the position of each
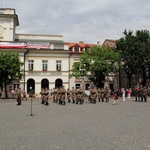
(141, 93)
(76, 96)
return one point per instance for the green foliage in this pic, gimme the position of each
(135, 53)
(10, 67)
(98, 63)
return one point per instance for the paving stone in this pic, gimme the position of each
(100, 126)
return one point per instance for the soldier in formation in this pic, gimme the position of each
(106, 93)
(24, 95)
(93, 95)
(18, 96)
(141, 93)
(68, 95)
(100, 94)
(44, 96)
(63, 94)
(73, 95)
(79, 95)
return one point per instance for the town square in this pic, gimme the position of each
(86, 127)
(74, 75)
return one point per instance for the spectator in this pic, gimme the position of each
(12, 93)
(115, 98)
(123, 94)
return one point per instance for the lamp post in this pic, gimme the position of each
(31, 96)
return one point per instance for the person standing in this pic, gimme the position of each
(123, 94)
(24, 95)
(115, 98)
(128, 93)
(46, 96)
(18, 96)
(42, 96)
(68, 95)
(73, 91)
(63, 94)
(145, 94)
(136, 93)
(106, 93)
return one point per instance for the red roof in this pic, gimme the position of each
(110, 42)
(82, 45)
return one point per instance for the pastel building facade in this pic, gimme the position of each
(47, 59)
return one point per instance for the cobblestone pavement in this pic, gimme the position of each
(100, 126)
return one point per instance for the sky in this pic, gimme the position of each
(89, 21)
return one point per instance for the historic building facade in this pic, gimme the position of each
(47, 59)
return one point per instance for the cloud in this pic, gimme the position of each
(77, 20)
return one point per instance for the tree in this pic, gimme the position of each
(135, 54)
(96, 64)
(10, 68)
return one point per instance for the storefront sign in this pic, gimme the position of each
(12, 45)
(38, 45)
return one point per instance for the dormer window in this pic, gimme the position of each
(76, 48)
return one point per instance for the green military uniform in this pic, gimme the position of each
(46, 96)
(106, 93)
(77, 95)
(63, 94)
(141, 93)
(73, 95)
(18, 96)
(59, 95)
(145, 94)
(68, 95)
(136, 93)
(42, 96)
(93, 95)
(80, 96)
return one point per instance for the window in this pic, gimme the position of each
(30, 65)
(76, 48)
(58, 65)
(44, 65)
(16, 86)
(77, 86)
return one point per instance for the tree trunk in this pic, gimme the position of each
(129, 81)
(5, 87)
(144, 80)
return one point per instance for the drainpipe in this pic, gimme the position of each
(25, 53)
(69, 69)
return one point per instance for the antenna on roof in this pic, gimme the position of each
(98, 43)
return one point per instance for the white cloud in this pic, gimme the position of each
(85, 20)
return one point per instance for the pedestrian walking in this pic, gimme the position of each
(115, 102)
(123, 94)
(129, 93)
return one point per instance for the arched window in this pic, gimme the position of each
(44, 83)
(58, 83)
(30, 85)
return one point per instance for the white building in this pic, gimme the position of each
(45, 57)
